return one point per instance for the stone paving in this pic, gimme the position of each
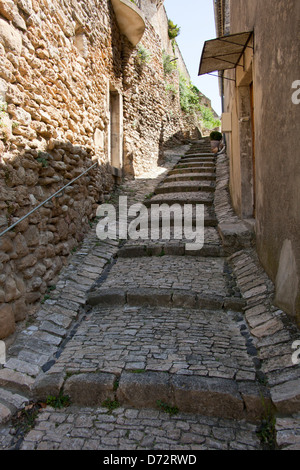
(185, 349)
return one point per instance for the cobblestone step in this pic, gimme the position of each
(191, 169)
(79, 428)
(196, 159)
(140, 356)
(180, 186)
(10, 403)
(149, 297)
(167, 247)
(195, 164)
(191, 153)
(191, 177)
(195, 334)
(191, 197)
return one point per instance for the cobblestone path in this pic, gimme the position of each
(158, 347)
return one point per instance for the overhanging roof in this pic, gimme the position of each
(223, 53)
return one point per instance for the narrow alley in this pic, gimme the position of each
(149, 228)
(144, 345)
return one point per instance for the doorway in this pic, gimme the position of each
(116, 132)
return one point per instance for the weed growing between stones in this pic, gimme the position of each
(111, 405)
(267, 429)
(171, 410)
(62, 401)
(24, 420)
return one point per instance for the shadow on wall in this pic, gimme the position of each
(34, 252)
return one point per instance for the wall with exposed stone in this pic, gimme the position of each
(59, 58)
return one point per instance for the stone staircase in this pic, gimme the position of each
(148, 323)
(175, 316)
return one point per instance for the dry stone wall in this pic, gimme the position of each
(58, 60)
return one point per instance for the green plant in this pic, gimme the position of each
(209, 121)
(111, 404)
(267, 430)
(168, 63)
(215, 135)
(189, 96)
(46, 297)
(3, 108)
(170, 88)
(50, 288)
(25, 419)
(62, 401)
(173, 30)
(43, 161)
(171, 410)
(143, 55)
(162, 253)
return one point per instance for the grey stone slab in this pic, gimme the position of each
(22, 366)
(286, 397)
(144, 390)
(208, 396)
(17, 381)
(90, 389)
(184, 299)
(212, 302)
(13, 400)
(234, 303)
(149, 297)
(107, 297)
(47, 384)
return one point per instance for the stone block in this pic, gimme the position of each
(16, 381)
(208, 397)
(10, 38)
(184, 299)
(131, 251)
(149, 297)
(5, 413)
(286, 397)
(22, 366)
(47, 384)
(143, 390)
(207, 302)
(235, 236)
(234, 303)
(256, 400)
(106, 297)
(90, 389)
(268, 328)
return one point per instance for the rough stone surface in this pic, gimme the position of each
(191, 377)
(61, 63)
(90, 389)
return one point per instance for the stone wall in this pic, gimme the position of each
(264, 178)
(59, 59)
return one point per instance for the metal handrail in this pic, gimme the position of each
(47, 200)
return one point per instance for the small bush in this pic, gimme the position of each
(173, 30)
(215, 135)
(168, 65)
(143, 55)
(62, 401)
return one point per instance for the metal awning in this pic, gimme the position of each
(224, 52)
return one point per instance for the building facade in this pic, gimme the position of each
(260, 95)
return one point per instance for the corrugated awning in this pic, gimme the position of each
(223, 53)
